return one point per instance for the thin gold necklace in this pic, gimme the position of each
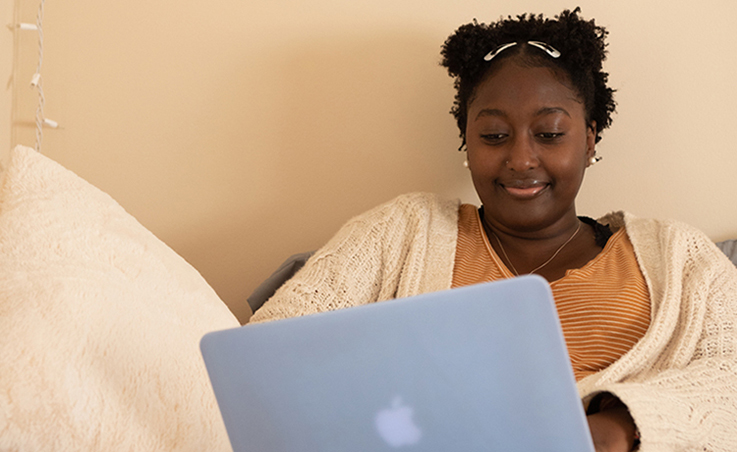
(516, 273)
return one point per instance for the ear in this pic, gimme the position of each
(590, 142)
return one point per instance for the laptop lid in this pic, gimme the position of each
(478, 368)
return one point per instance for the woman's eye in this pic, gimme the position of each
(493, 137)
(549, 136)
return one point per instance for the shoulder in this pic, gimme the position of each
(650, 227)
(397, 224)
(667, 241)
(421, 201)
(412, 207)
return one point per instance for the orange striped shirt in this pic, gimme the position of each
(604, 306)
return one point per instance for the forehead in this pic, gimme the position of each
(516, 88)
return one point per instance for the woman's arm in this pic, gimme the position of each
(401, 248)
(679, 382)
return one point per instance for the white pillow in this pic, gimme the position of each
(100, 324)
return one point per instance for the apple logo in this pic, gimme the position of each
(396, 426)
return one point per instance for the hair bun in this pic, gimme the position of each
(581, 44)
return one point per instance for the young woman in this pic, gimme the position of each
(648, 307)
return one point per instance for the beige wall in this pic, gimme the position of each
(6, 73)
(242, 132)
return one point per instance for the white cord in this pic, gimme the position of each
(37, 82)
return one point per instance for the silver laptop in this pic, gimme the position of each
(478, 368)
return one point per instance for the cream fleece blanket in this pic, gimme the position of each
(100, 324)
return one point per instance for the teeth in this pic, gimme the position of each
(523, 183)
(525, 191)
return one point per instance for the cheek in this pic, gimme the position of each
(482, 168)
(571, 162)
(479, 168)
(569, 172)
(480, 155)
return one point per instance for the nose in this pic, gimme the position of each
(521, 156)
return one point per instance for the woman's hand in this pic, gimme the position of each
(612, 430)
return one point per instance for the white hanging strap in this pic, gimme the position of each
(36, 80)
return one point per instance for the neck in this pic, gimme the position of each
(532, 251)
(536, 235)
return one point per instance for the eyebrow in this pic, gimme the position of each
(541, 112)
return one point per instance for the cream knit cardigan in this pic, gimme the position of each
(679, 381)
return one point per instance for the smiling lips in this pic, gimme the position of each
(523, 188)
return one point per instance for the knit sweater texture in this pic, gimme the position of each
(679, 381)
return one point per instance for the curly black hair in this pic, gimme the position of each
(581, 44)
